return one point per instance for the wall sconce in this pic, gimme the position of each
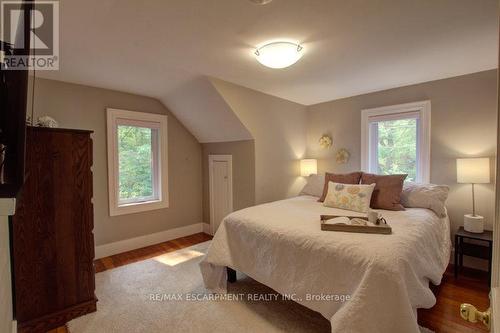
(308, 167)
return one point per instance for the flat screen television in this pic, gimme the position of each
(13, 104)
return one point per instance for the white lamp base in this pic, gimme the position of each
(473, 223)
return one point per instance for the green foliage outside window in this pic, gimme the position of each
(397, 147)
(135, 162)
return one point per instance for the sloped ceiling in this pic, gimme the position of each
(167, 48)
(207, 114)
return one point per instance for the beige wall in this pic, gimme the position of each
(464, 111)
(83, 107)
(463, 124)
(243, 153)
(279, 130)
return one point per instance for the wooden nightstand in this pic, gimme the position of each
(482, 251)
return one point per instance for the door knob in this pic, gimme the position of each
(470, 313)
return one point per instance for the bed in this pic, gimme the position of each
(360, 282)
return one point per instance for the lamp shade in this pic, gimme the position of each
(473, 170)
(308, 167)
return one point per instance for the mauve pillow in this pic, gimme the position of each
(387, 192)
(342, 178)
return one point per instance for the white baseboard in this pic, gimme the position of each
(206, 228)
(14, 326)
(125, 245)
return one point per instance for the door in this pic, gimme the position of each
(491, 317)
(221, 189)
(495, 275)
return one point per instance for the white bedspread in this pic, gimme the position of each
(280, 244)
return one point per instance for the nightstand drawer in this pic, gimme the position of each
(476, 250)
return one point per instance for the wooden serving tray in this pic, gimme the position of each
(383, 229)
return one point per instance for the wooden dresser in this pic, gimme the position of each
(52, 237)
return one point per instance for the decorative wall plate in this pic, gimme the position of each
(325, 141)
(342, 156)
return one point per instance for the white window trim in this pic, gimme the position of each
(114, 116)
(424, 136)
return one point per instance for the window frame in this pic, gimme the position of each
(422, 111)
(160, 198)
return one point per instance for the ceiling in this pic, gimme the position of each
(167, 49)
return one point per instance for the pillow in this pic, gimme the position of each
(387, 192)
(314, 185)
(428, 196)
(346, 178)
(350, 197)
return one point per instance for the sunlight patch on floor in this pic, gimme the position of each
(175, 258)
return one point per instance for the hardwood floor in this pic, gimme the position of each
(148, 252)
(470, 287)
(59, 330)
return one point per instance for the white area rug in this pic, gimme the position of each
(166, 293)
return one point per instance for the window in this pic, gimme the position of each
(396, 139)
(137, 161)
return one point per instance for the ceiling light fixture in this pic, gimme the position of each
(261, 2)
(279, 54)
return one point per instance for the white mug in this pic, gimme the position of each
(373, 216)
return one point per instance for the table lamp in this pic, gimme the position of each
(308, 167)
(473, 171)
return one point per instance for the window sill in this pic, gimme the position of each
(132, 208)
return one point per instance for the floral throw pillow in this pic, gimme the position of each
(350, 197)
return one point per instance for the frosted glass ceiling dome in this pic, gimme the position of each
(279, 54)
